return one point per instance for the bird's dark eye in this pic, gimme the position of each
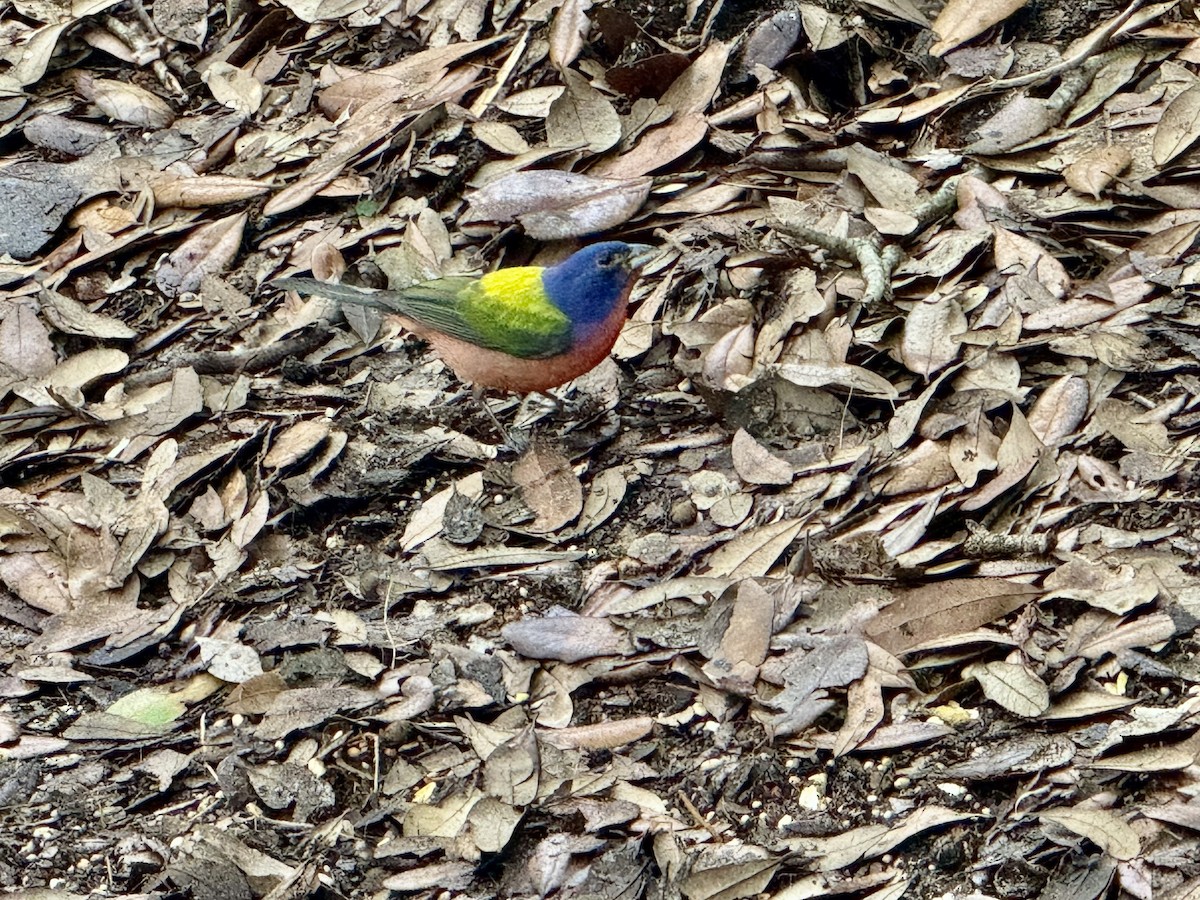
(610, 261)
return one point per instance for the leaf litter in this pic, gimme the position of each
(868, 568)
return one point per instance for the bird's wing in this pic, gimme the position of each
(510, 311)
(505, 310)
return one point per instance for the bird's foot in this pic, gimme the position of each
(511, 439)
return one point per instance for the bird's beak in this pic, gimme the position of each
(640, 254)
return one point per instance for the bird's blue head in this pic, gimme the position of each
(589, 283)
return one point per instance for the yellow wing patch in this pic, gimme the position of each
(519, 288)
(509, 309)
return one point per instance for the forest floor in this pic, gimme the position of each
(865, 567)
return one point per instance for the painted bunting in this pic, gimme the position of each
(526, 328)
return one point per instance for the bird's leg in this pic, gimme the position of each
(517, 442)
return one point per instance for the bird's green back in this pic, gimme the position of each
(506, 310)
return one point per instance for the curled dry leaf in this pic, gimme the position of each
(658, 147)
(582, 117)
(533, 103)
(324, 10)
(771, 40)
(1013, 686)
(842, 375)
(1059, 410)
(728, 362)
(567, 638)
(1016, 253)
(199, 191)
(234, 88)
(72, 317)
(1108, 831)
(1019, 452)
(553, 205)
(1021, 119)
(296, 443)
(694, 90)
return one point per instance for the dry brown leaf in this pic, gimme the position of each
(567, 32)
(730, 881)
(234, 88)
(582, 118)
(753, 552)
(567, 637)
(1018, 254)
(932, 335)
(1059, 411)
(1179, 126)
(125, 102)
(1019, 452)
(864, 712)
(548, 486)
(694, 90)
(947, 608)
(1106, 830)
(208, 250)
(1093, 172)
(961, 20)
(1013, 686)
(72, 317)
(533, 103)
(296, 442)
(25, 345)
(1152, 759)
(199, 191)
(607, 735)
(657, 147)
(554, 205)
(870, 841)
(755, 464)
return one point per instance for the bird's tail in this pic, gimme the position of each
(343, 293)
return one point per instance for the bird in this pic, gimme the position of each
(524, 329)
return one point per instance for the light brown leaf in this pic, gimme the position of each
(932, 336)
(1013, 686)
(961, 20)
(125, 102)
(553, 205)
(567, 32)
(1093, 172)
(1108, 831)
(582, 117)
(549, 487)
(755, 464)
(567, 638)
(208, 250)
(1179, 126)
